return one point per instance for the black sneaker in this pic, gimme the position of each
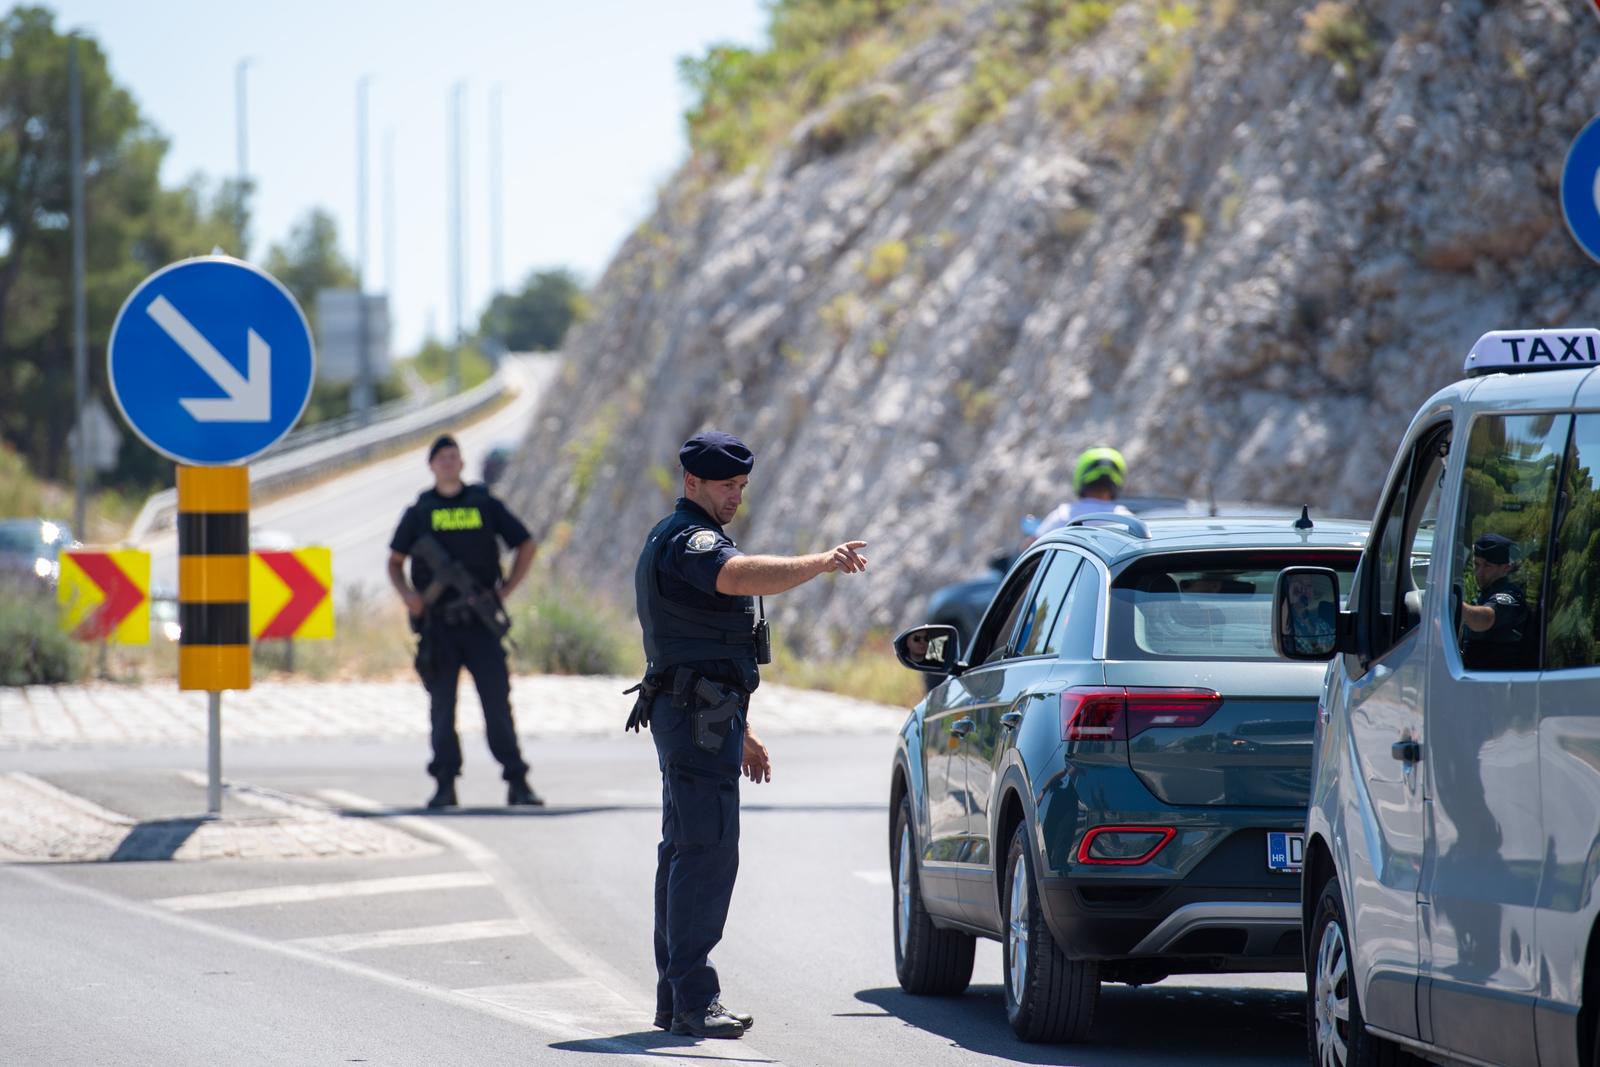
(444, 796)
(520, 794)
(713, 1021)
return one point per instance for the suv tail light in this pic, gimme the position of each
(1121, 712)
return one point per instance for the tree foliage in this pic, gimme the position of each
(310, 260)
(535, 318)
(134, 226)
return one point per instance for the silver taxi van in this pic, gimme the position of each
(1452, 851)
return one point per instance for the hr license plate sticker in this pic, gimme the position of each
(1286, 852)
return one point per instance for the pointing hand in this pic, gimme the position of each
(845, 558)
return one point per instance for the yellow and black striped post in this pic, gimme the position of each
(214, 578)
(214, 596)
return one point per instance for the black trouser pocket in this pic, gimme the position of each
(705, 808)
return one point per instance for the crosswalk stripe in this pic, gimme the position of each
(299, 894)
(414, 935)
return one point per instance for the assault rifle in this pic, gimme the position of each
(449, 574)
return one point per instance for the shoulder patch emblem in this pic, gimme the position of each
(702, 541)
(1505, 600)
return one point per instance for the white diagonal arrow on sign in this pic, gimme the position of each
(249, 398)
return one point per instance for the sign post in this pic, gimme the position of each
(211, 363)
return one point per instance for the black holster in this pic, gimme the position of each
(715, 711)
(426, 661)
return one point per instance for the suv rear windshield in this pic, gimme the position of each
(1212, 605)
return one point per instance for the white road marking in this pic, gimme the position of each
(873, 877)
(299, 894)
(608, 997)
(603, 1042)
(415, 935)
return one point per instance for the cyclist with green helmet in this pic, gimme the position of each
(1097, 480)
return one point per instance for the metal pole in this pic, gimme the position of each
(80, 313)
(388, 216)
(214, 754)
(362, 400)
(496, 276)
(241, 123)
(457, 296)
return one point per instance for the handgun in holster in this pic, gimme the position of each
(715, 710)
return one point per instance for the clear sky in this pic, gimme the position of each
(590, 101)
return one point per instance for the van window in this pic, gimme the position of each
(1508, 493)
(1572, 632)
(1405, 544)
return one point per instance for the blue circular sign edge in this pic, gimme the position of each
(1578, 208)
(111, 353)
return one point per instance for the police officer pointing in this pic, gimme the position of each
(703, 641)
(1494, 622)
(454, 599)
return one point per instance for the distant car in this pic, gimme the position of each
(495, 463)
(1111, 777)
(30, 549)
(164, 618)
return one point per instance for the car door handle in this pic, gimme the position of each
(1011, 720)
(962, 727)
(1407, 751)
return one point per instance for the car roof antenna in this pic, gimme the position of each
(1304, 521)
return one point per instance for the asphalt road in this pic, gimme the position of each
(525, 937)
(355, 513)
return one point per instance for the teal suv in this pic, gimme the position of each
(1112, 778)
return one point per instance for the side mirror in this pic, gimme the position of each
(929, 649)
(1305, 613)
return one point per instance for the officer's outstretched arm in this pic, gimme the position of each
(767, 575)
(1478, 617)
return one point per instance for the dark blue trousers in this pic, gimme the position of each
(472, 646)
(698, 857)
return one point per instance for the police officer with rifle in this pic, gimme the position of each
(455, 599)
(704, 639)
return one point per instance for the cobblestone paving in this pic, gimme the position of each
(545, 707)
(41, 823)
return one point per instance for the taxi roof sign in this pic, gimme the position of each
(1519, 351)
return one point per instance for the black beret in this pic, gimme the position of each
(716, 456)
(1493, 548)
(443, 441)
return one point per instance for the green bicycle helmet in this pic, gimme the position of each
(1100, 462)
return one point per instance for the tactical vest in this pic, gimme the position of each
(677, 633)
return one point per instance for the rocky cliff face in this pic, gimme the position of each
(1241, 241)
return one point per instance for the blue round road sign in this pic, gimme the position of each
(1580, 189)
(211, 361)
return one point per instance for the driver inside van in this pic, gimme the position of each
(1492, 624)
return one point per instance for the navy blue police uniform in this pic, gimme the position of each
(467, 526)
(701, 668)
(1500, 646)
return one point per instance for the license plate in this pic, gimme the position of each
(1286, 852)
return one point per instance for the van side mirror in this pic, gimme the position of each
(930, 649)
(1305, 613)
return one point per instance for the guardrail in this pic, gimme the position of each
(318, 454)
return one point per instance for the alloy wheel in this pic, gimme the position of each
(1017, 930)
(902, 889)
(1332, 998)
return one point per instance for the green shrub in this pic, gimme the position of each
(33, 650)
(870, 672)
(566, 631)
(19, 490)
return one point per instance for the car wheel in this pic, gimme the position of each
(927, 960)
(1335, 1031)
(1048, 996)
